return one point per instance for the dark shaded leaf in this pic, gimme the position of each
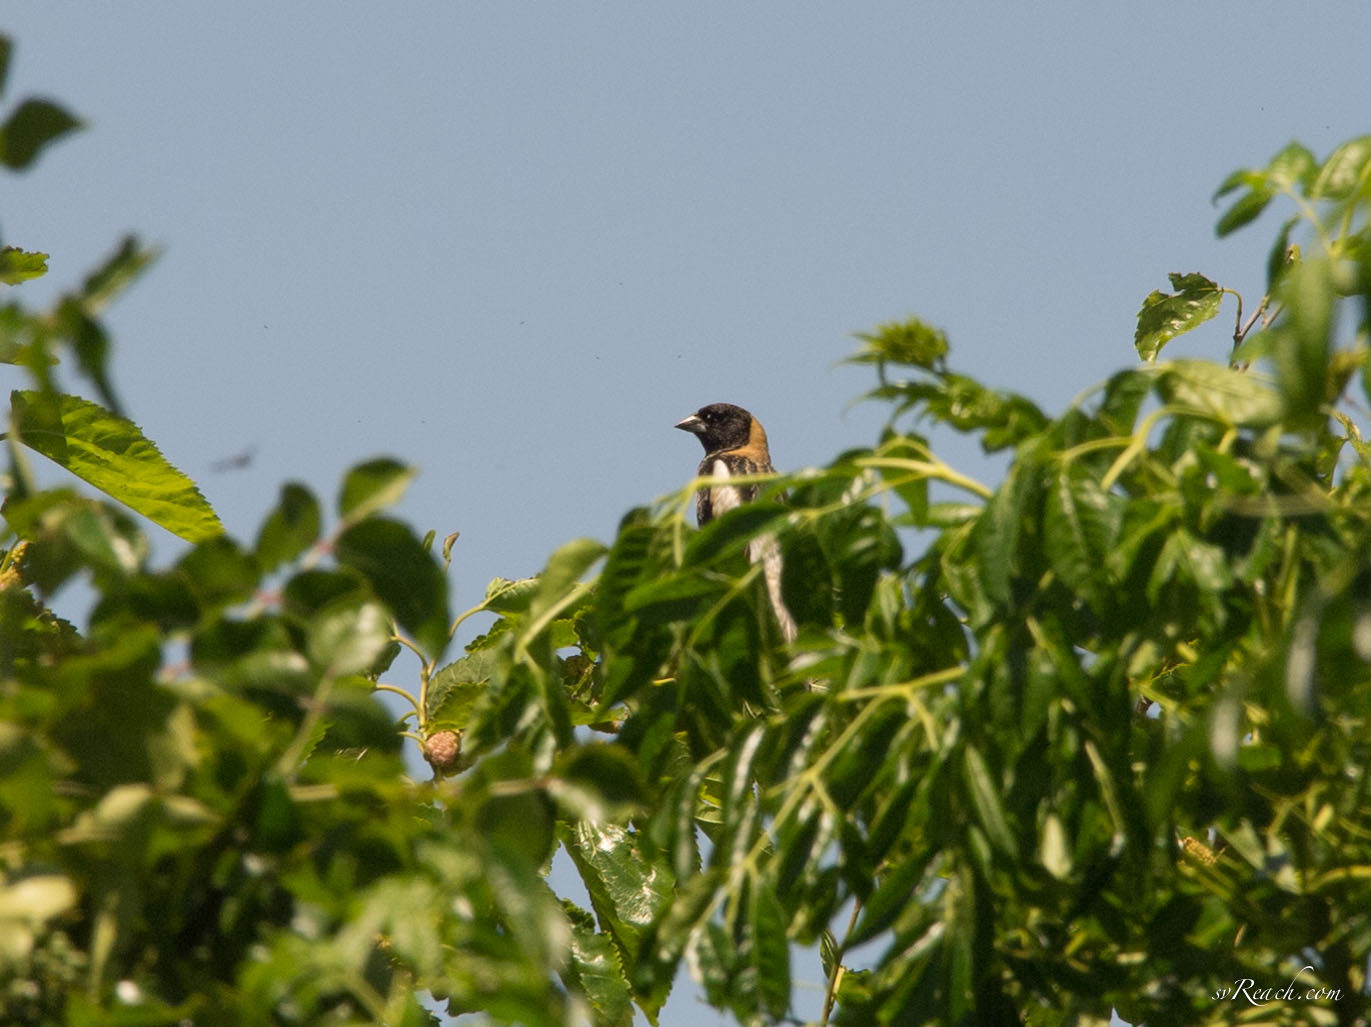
(290, 529)
(31, 127)
(403, 575)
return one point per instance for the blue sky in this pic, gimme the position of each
(513, 243)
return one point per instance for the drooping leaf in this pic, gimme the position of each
(113, 455)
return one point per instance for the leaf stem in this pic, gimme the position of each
(835, 975)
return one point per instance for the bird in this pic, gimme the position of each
(735, 445)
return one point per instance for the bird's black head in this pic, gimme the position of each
(719, 426)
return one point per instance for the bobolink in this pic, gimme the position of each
(735, 445)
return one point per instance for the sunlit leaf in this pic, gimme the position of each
(18, 266)
(1345, 170)
(1166, 315)
(112, 454)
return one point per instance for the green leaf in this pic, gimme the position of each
(17, 265)
(767, 950)
(504, 596)
(403, 575)
(909, 342)
(1281, 256)
(117, 273)
(627, 889)
(349, 638)
(113, 455)
(598, 782)
(1303, 341)
(1228, 396)
(988, 803)
(91, 346)
(33, 125)
(373, 486)
(1291, 168)
(597, 971)
(1166, 315)
(892, 896)
(1347, 170)
(218, 573)
(1080, 524)
(454, 691)
(290, 529)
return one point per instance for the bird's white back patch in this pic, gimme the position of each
(723, 498)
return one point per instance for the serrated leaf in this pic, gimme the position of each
(1166, 315)
(628, 890)
(599, 974)
(33, 125)
(18, 265)
(505, 596)
(113, 455)
(454, 690)
(373, 486)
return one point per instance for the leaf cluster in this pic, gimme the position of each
(1093, 739)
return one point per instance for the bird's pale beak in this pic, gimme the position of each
(691, 424)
